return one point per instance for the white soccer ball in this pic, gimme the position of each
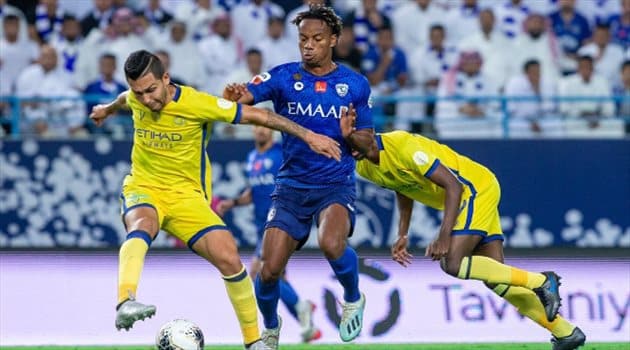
(179, 335)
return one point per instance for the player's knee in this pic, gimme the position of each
(268, 275)
(145, 224)
(450, 265)
(332, 247)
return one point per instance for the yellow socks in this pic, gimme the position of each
(485, 269)
(130, 263)
(241, 292)
(529, 305)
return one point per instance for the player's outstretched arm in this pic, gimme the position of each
(101, 112)
(359, 140)
(399, 249)
(454, 189)
(225, 205)
(321, 144)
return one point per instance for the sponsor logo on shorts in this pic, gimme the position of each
(271, 214)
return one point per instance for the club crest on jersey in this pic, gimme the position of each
(320, 86)
(298, 86)
(342, 89)
(261, 78)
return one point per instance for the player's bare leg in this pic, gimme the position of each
(565, 335)
(334, 228)
(219, 248)
(142, 227)
(277, 248)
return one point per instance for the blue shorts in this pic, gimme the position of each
(294, 209)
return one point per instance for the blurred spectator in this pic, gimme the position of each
(103, 90)
(495, 48)
(291, 30)
(99, 17)
(412, 21)
(15, 54)
(462, 20)
(572, 30)
(5, 10)
(198, 16)
(275, 47)
(68, 42)
(510, 16)
(185, 57)
(385, 66)
(55, 118)
(599, 11)
(537, 43)
(220, 53)
(608, 56)
(585, 83)
(125, 38)
(620, 25)
(346, 52)
(253, 66)
(461, 113)
(428, 64)
(529, 117)
(623, 90)
(251, 21)
(365, 21)
(165, 58)
(155, 14)
(48, 19)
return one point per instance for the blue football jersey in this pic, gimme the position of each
(261, 172)
(316, 103)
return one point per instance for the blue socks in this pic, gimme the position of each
(267, 295)
(288, 296)
(346, 269)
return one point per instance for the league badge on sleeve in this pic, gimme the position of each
(342, 89)
(261, 78)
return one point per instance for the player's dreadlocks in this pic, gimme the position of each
(321, 12)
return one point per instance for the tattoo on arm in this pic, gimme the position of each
(278, 122)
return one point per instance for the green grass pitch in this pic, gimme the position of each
(498, 346)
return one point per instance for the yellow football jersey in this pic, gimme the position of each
(407, 160)
(169, 147)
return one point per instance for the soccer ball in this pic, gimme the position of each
(179, 335)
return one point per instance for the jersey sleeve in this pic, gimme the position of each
(263, 86)
(363, 105)
(212, 108)
(419, 161)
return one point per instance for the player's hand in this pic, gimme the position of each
(348, 121)
(224, 206)
(234, 91)
(99, 114)
(438, 249)
(323, 145)
(399, 251)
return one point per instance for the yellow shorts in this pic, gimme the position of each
(187, 215)
(479, 212)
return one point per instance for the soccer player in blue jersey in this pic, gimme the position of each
(263, 164)
(313, 93)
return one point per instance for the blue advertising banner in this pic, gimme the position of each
(554, 193)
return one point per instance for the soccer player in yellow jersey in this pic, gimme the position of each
(169, 185)
(470, 241)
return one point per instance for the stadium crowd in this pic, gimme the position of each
(439, 60)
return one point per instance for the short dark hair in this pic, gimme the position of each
(11, 17)
(321, 12)
(253, 51)
(108, 55)
(142, 62)
(529, 63)
(625, 64)
(437, 27)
